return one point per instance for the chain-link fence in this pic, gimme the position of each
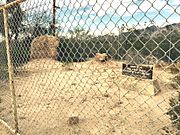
(90, 67)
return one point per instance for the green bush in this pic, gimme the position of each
(174, 111)
(3, 62)
(20, 52)
(176, 79)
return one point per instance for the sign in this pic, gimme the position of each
(141, 71)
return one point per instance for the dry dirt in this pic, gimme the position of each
(106, 102)
(3, 131)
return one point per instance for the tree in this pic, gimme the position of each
(40, 24)
(15, 19)
(79, 33)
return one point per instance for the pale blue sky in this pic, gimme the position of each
(104, 16)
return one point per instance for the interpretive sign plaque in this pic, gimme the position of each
(141, 71)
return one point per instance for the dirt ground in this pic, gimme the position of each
(106, 102)
(3, 131)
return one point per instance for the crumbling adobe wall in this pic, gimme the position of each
(44, 47)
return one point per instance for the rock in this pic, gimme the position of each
(148, 87)
(44, 47)
(106, 95)
(101, 57)
(73, 120)
(151, 60)
(161, 64)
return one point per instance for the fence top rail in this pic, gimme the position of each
(11, 4)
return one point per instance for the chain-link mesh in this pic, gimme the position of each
(89, 67)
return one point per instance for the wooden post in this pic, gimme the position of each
(54, 18)
(10, 69)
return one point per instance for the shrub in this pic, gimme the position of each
(20, 52)
(3, 62)
(174, 111)
(174, 69)
(176, 79)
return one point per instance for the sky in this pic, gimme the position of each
(105, 16)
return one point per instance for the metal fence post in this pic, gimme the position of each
(54, 18)
(10, 69)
